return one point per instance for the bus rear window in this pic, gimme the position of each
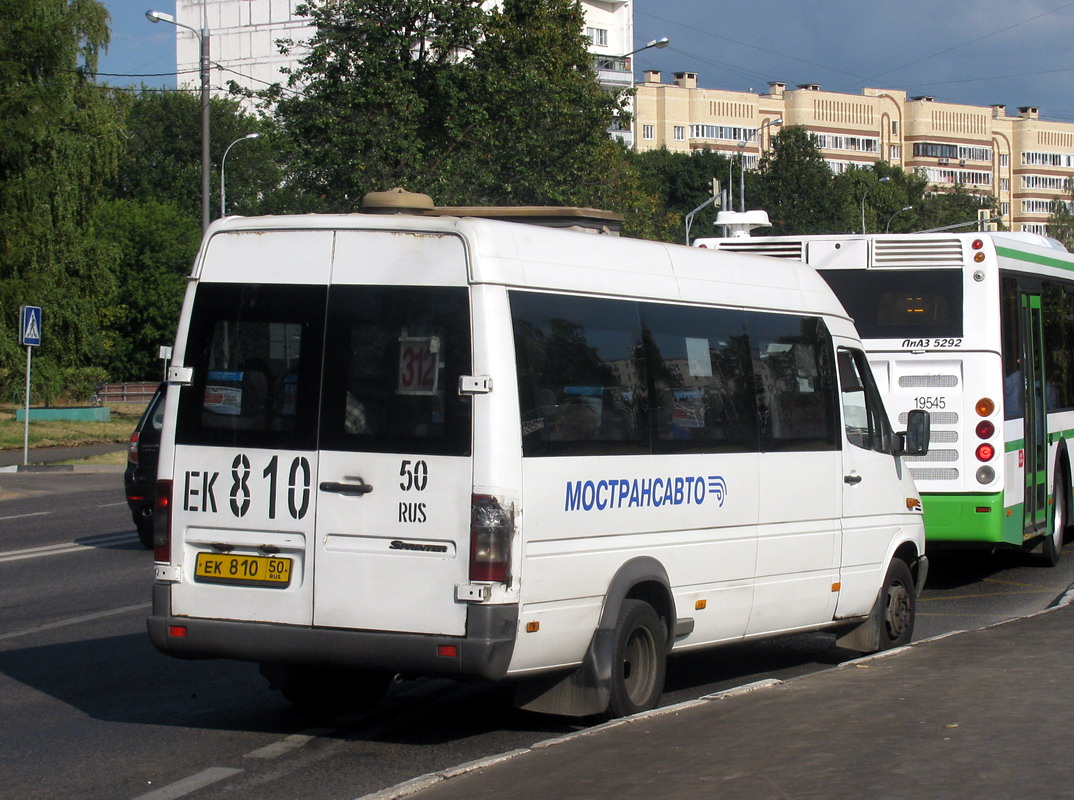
(898, 304)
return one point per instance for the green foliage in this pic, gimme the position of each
(162, 158)
(1061, 220)
(153, 244)
(682, 182)
(59, 140)
(795, 186)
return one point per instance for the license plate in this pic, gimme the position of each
(243, 570)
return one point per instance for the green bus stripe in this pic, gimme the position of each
(1033, 258)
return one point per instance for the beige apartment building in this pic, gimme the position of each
(1025, 162)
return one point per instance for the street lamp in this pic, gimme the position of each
(659, 44)
(742, 160)
(223, 203)
(887, 228)
(203, 41)
(865, 194)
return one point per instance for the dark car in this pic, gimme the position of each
(140, 477)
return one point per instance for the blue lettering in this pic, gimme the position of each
(573, 498)
(679, 483)
(601, 503)
(624, 492)
(699, 490)
(634, 500)
(646, 491)
(588, 495)
(658, 496)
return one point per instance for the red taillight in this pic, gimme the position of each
(491, 529)
(985, 429)
(985, 452)
(162, 522)
(132, 448)
(977, 244)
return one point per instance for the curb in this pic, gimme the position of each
(422, 782)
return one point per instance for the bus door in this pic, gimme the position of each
(1036, 420)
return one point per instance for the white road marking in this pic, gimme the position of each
(288, 744)
(63, 623)
(23, 516)
(68, 547)
(189, 785)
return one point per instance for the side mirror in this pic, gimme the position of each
(914, 441)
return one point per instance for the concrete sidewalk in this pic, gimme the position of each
(986, 713)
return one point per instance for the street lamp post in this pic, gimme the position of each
(887, 228)
(659, 44)
(865, 194)
(203, 41)
(223, 199)
(742, 159)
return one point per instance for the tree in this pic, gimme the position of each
(682, 182)
(162, 158)
(1061, 221)
(153, 243)
(796, 187)
(381, 88)
(60, 135)
(472, 106)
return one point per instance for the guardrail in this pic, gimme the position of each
(126, 392)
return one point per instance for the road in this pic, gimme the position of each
(91, 710)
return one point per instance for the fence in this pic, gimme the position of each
(126, 392)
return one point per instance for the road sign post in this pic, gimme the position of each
(29, 336)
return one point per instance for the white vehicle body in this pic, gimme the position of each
(459, 446)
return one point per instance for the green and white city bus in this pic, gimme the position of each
(977, 328)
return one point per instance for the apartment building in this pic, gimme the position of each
(1025, 162)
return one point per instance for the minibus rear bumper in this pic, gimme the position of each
(484, 652)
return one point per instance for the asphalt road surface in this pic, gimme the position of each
(91, 710)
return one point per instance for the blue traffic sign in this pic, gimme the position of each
(30, 326)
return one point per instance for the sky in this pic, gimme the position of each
(977, 52)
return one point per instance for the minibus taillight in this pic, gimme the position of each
(162, 522)
(491, 529)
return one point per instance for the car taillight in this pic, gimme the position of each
(491, 529)
(162, 523)
(132, 448)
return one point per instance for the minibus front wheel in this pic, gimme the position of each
(898, 606)
(639, 659)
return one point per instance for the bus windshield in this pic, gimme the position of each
(896, 304)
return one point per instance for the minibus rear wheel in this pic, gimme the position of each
(639, 660)
(898, 606)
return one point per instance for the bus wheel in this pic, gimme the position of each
(327, 690)
(1052, 545)
(898, 606)
(639, 660)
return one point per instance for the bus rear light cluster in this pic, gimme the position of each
(491, 530)
(162, 523)
(985, 429)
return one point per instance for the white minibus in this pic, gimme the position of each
(431, 443)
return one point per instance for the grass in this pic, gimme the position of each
(70, 433)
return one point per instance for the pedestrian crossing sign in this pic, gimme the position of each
(30, 326)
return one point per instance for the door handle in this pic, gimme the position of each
(351, 489)
(851, 479)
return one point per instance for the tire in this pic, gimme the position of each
(145, 531)
(327, 690)
(1052, 544)
(639, 660)
(897, 606)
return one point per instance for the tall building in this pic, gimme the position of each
(1025, 162)
(243, 36)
